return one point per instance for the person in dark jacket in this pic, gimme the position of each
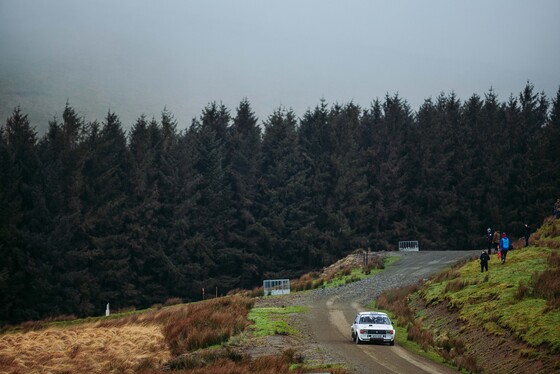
(489, 240)
(527, 234)
(504, 246)
(484, 258)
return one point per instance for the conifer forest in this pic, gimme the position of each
(91, 213)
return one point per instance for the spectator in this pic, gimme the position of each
(527, 234)
(489, 240)
(496, 240)
(504, 247)
(484, 258)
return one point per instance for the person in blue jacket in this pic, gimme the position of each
(504, 246)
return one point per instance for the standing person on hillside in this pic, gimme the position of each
(504, 246)
(489, 240)
(496, 240)
(527, 234)
(484, 258)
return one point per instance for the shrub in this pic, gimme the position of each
(204, 324)
(125, 310)
(257, 291)
(345, 272)
(33, 326)
(65, 317)
(396, 301)
(467, 362)
(547, 286)
(291, 356)
(224, 361)
(547, 283)
(375, 262)
(522, 290)
(445, 275)
(555, 229)
(305, 282)
(554, 260)
(173, 301)
(200, 359)
(417, 334)
(455, 285)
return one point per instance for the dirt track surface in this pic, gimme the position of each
(333, 310)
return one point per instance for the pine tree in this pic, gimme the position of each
(244, 161)
(284, 198)
(25, 282)
(107, 183)
(550, 177)
(315, 144)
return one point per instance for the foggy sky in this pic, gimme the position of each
(137, 57)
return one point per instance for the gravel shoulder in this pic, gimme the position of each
(325, 329)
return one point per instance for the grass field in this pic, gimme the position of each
(131, 343)
(86, 349)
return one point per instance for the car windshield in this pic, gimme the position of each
(378, 320)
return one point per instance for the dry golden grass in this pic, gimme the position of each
(139, 342)
(84, 349)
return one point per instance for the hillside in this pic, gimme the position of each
(505, 320)
(471, 321)
(228, 334)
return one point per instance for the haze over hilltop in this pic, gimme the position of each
(136, 57)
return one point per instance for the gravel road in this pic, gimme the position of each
(331, 311)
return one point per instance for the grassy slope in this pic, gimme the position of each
(493, 299)
(471, 319)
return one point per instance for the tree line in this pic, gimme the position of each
(90, 213)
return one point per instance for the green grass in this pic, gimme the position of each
(358, 274)
(490, 298)
(272, 321)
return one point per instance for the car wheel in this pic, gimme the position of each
(392, 342)
(358, 341)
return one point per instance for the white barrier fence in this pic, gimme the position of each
(276, 287)
(409, 246)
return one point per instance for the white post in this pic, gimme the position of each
(107, 312)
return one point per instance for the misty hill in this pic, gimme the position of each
(90, 214)
(41, 94)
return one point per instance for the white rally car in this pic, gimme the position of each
(373, 327)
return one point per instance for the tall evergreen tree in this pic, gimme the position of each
(25, 282)
(526, 157)
(550, 177)
(315, 144)
(350, 169)
(244, 161)
(107, 183)
(153, 274)
(283, 195)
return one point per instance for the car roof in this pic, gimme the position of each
(372, 313)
